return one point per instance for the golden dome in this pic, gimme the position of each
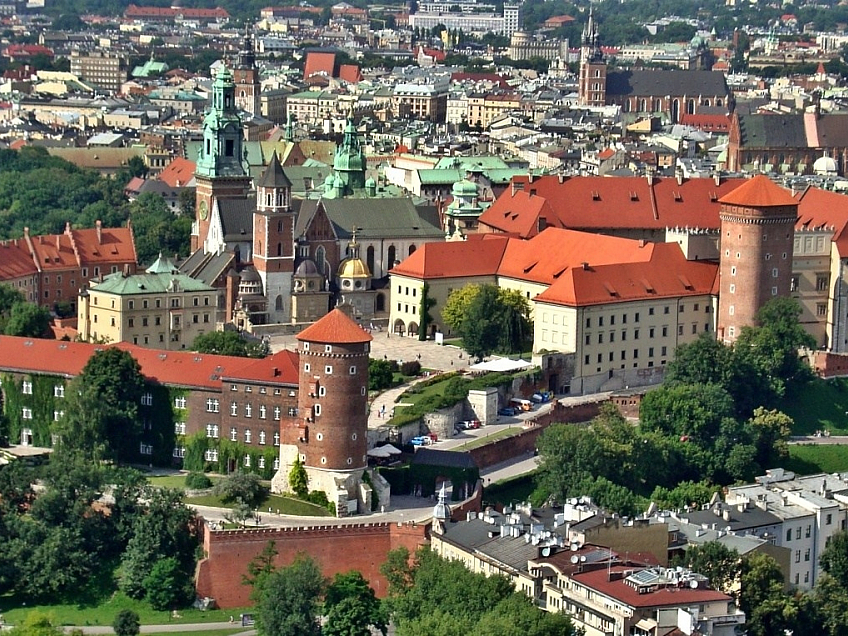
(354, 268)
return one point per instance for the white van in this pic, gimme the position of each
(522, 405)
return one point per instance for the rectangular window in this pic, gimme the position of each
(59, 391)
(26, 413)
(147, 399)
(26, 388)
(277, 413)
(179, 403)
(262, 438)
(212, 405)
(821, 282)
(234, 409)
(233, 434)
(262, 411)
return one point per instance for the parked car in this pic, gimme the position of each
(469, 424)
(509, 411)
(421, 440)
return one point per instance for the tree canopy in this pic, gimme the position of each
(228, 343)
(101, 417)
(288, 600)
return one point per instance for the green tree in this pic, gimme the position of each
(240, 487)
(398, 571)
(684, 494)
(27, 320)
(380, 374)
(259, 569)
(771, 430)
(167, 586)
(101, 417)
(496, 319)
(226, 343)
(831, 603)
(298, 479)
(36, 624)
(455, 311)
(9, 297)
(834, 558)
(424, 315)
(126, 623)
(717, 562)
(288, 605)
(768, 609)
(352, 607)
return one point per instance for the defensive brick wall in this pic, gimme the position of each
(340, 548)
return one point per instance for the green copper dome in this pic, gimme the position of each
(464, 188)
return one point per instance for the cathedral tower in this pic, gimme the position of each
(273, 240)
(246, 78)
(757, 238)
(592, 87)
(349, 162)
(221, 171)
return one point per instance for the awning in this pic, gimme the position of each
(501, 365)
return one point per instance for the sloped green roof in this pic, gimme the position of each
(139, 284)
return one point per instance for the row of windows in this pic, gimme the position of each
(681, 308)
(807, 533)
(175, 337)
(637, 332)
(213, 431)
(211, 455)
(622, 355)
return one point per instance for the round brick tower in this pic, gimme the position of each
(757, 237)
(330, 437)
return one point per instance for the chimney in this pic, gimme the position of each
(26, 232)
(678, 173)
(126, 269)
(58, 241)
(561, 178)
(513, 188)
(585, 265)
(642, 242)
(275, 371)
(717, 178)
(726, 514)
(68, 228)
(99, 226)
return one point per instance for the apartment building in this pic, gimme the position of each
(103, 69)
(421, 100)
(161, 308)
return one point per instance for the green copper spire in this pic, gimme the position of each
(222, 152)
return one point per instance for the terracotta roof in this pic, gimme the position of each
(335, 328)
(180, 368)
(759, 192)
(350, 73)
(15, 260)
(666, 274)
(178, 173)
(663, 597)
(279, 368)
(600, 203)
(454, 259)
(520, 214)
(317, 62)
(824, 209)
(114, 245)
(547, 257)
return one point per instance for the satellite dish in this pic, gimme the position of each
(546, 551)
(575, 559)
(574, 547)
(583, 559)
(693, 584)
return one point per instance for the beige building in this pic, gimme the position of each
(104, 70)
(160, 309)
(618, 307)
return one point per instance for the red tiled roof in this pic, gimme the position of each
(663, 597)
(520, 214)
(133, 11)
(280, 368)
(317, 62)
(824, 209)
(350, 73)
(759, 192)
(335, 328)
(666, 274)
(114, 245)
(454, 259)
(706, 121)
(15, 260)
(178, 173)
(599, 203)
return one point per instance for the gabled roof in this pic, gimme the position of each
(454, 259)
(319, 62)
(759, 192)
(378, 218)
(660, 83)
(237, 218)
(335, 328)
(178, 368)
(666, 274)
(279, 368)
(521, 214)
(179, 173)
(448, 459)
(15, 260)
(601, 203)
(824, 209)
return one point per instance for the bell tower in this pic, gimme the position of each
(273, 239)
(246, 77)
(592, 87)
(221, 171)
(349, 161)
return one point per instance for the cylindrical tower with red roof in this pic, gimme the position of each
(757, 238)
(331, 435)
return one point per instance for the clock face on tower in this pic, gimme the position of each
(204, 210)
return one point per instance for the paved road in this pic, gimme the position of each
(812, 439)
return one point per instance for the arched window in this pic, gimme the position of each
(690, 107)
(392, 257)
(643, 104)
(369, 259)
(279, 249)
(321, 259)
(411, 249)
(381, 302)
(278, 303)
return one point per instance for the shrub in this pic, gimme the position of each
(197, 481)
(412, 367)
(318, 497)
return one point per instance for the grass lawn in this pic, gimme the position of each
(807, 459)
(818, 405)
(14, 610)
(285, 505)
(488, 439)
